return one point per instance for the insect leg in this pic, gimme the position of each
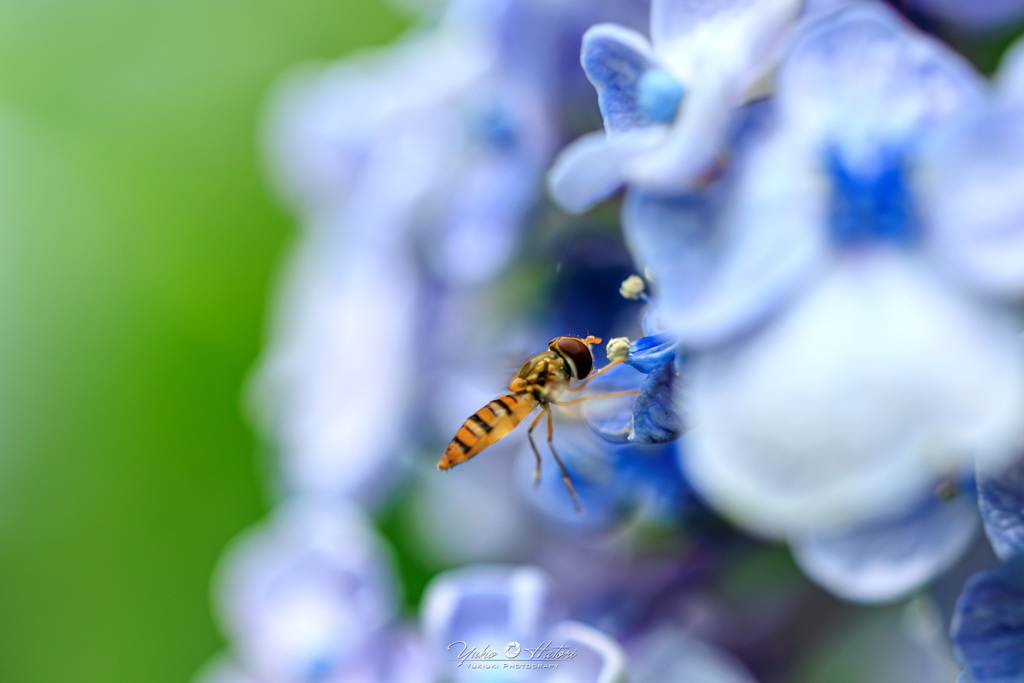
(595, 374)
(529, 435)
(565, 472)
(628, 392)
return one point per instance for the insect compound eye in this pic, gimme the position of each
(581, 360)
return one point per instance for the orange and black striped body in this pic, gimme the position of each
(539, 383)
(486, 426)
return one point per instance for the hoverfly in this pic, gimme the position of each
(539, 383)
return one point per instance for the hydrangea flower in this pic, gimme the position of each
(841, 372)
(667, 102)
(499, 623)
(308, 596)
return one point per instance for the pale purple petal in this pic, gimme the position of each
(488, 604)
(590, 169)
(331, 314)
(318, 144)
(969, 179)
(615, 60)
(303, 595)
(598, 658)
(887, 558)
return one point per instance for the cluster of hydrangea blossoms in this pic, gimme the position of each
(821, 197)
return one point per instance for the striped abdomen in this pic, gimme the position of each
(486, 426)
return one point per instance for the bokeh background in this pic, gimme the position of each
(138, 247)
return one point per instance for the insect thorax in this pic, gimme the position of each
(545, 376)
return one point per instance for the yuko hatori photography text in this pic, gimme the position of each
(547, 655)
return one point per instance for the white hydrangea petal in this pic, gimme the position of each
(723, 39)
(887, 558)
(969, 177)
(878, 380)
(770, 243)
(590, 169)
(863, 80)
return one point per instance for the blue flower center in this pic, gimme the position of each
(496, 129)
(870, 206)
(658, 95)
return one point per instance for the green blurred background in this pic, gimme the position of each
(138, 245)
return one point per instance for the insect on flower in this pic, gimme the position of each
(539, 383)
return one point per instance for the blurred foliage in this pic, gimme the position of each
(138, 244)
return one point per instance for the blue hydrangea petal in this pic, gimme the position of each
(590, 169)
(650, 352)
(988, 624)
(863, 80)
(612, 418)
(657, 485)
(592, 463)
(655, 413)
(970, 174)
(1001, 500)
(672, 239)
(715, 276)
(614, 482)
(885, 559)
(615, 60)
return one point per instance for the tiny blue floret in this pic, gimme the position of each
(870, 206)
(659, 95)
(649, 353)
